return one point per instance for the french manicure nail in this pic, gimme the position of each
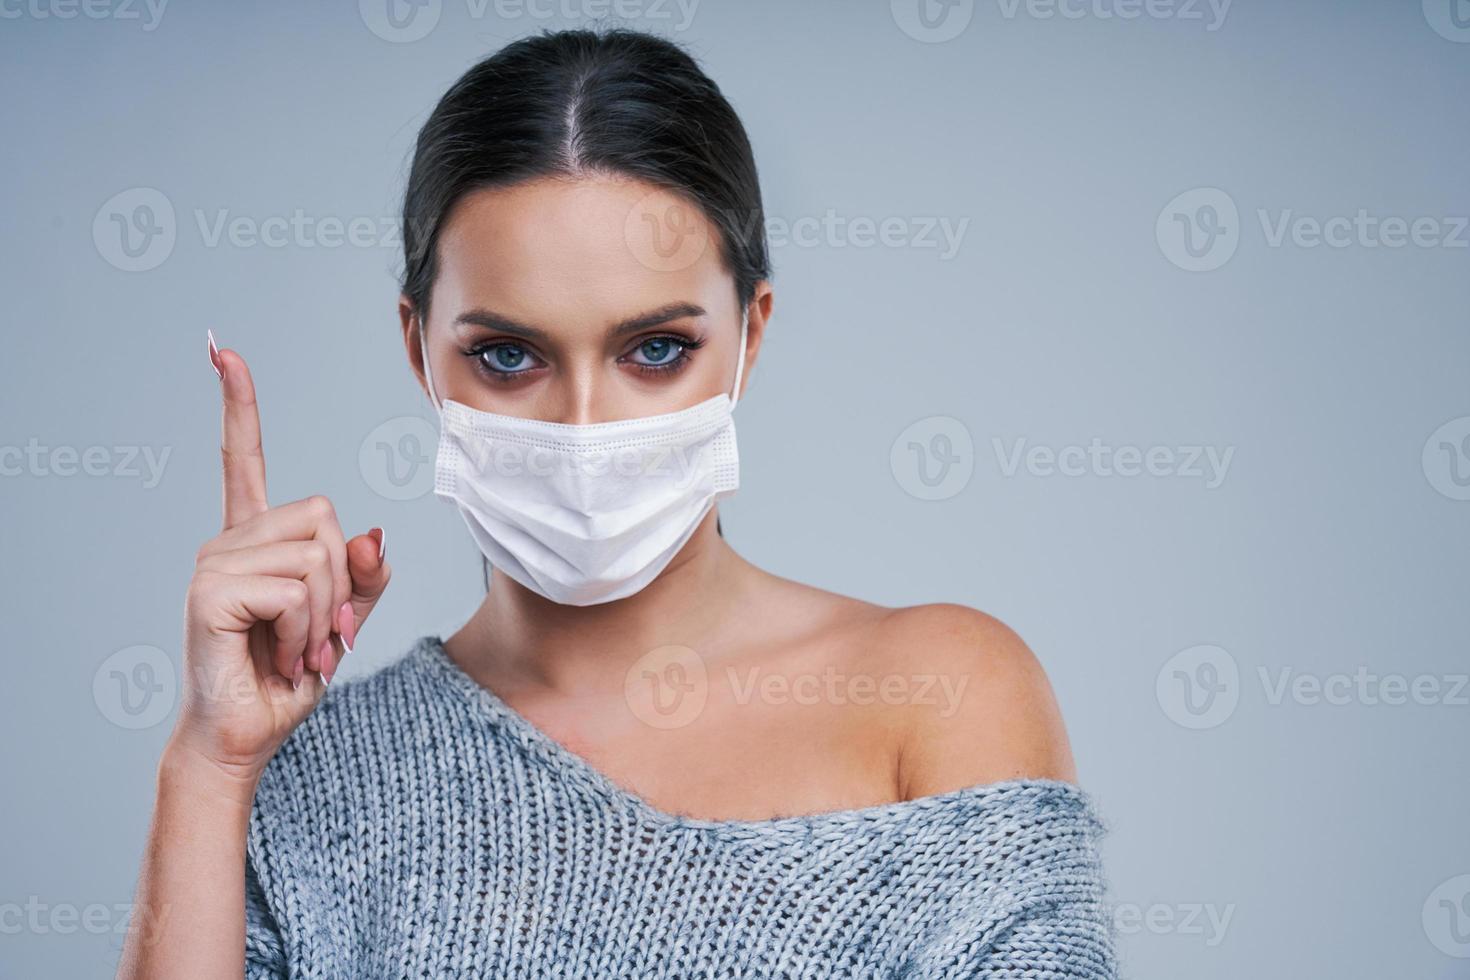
(376, 533)
(296, 674)
(328, 668)
(346, 626)
(214, 358)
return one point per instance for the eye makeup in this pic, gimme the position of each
(663, 353)
(504, 361)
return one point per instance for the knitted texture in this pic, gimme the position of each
(416, 826)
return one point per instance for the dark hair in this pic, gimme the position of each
(573, 103)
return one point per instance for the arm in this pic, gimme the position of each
(1057, 930)
(1037, 910)
(189, 909)
(1025, 894)
(269, 598)
(1065, 941)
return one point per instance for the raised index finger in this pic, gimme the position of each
(240, 451)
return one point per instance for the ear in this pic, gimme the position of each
(755, 331)
(412, 323)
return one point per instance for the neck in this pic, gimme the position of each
(526, 640)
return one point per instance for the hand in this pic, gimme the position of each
(273, 597)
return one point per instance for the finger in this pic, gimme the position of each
(310, 561)
(240, 448)
(311, 519)
(327, 531)
(370, 573)
(296, 521)
(368, 565)
(238, 602)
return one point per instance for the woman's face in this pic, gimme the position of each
(582, 301)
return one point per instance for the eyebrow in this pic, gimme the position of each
(491, 320)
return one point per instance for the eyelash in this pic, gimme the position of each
(685, 345)
(476, 353)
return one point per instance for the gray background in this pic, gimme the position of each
(1331, 835)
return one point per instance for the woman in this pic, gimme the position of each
(642, 755)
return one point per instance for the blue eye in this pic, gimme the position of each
(506, 358)
(658, 351)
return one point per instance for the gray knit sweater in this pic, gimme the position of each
(416, 826)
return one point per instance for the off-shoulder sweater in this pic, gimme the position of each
(417, 826)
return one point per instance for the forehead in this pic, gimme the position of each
(580, 251)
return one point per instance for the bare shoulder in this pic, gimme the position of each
(960, 699)
(990, 714)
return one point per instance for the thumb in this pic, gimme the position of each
(369, 571)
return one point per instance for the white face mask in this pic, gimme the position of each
(584, 514)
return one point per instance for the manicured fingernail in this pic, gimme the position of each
(376, 533)
(347, 626)
(296, 674)
(328, 668)
(214, 359)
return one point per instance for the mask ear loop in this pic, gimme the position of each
(735, 391)
(424, 356)
(740, 361)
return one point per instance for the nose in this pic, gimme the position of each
(580, 399)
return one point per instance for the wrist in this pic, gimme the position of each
(184, 769)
